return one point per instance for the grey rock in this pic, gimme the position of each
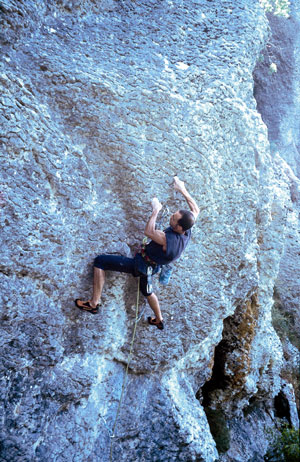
(277, 100)
(102, 103)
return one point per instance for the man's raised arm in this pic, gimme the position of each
(156, 235)
(179, 186)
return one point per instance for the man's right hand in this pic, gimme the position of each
(178, 184)
(156, 205)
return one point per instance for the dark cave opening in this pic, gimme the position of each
(216, 417)
(218, 378)
(282, 407)
(228, 374)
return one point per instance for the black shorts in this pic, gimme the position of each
(122, 265)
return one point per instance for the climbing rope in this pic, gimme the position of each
(137, 318)
(164, 214)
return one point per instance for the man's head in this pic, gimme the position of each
(181, 221)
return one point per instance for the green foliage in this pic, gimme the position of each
(284, 325)
(277, 7)
(286, 447)
(219, 429)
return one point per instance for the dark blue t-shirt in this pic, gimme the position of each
(176, 243)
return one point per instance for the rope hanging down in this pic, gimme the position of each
(137, 318)
(127, 368)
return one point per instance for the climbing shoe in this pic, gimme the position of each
(85, 306)
(153, 322)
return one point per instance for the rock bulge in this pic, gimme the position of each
(101, 104)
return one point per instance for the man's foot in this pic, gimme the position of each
(86, 306)
(153, 322)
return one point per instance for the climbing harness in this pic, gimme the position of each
(166, 270)
(137, 318)
(145, 256)
(151, 265)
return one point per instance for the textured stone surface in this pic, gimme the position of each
(101, 103)
(277, 95)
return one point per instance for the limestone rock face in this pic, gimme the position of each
(101, 104)
(277, 96)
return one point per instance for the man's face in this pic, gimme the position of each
(174, 221)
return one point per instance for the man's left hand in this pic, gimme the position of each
(156, 205)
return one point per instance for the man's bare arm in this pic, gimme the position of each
(156, 235)
(179, 186)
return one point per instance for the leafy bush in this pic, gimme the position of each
(286, 447)
(284, 324)
(277, 7)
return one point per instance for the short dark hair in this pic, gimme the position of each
(187, 219)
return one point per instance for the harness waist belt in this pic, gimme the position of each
(145, 256)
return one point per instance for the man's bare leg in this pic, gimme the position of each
(91, 305)
(99, 279)
(154, 305)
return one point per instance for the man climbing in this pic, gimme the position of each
(164, 247)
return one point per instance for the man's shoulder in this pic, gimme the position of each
(168, 230)
(171, 234)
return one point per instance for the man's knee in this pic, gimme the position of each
(98, 262)
(143, 287)
(146, 294)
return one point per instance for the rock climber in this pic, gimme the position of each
(164, 247)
